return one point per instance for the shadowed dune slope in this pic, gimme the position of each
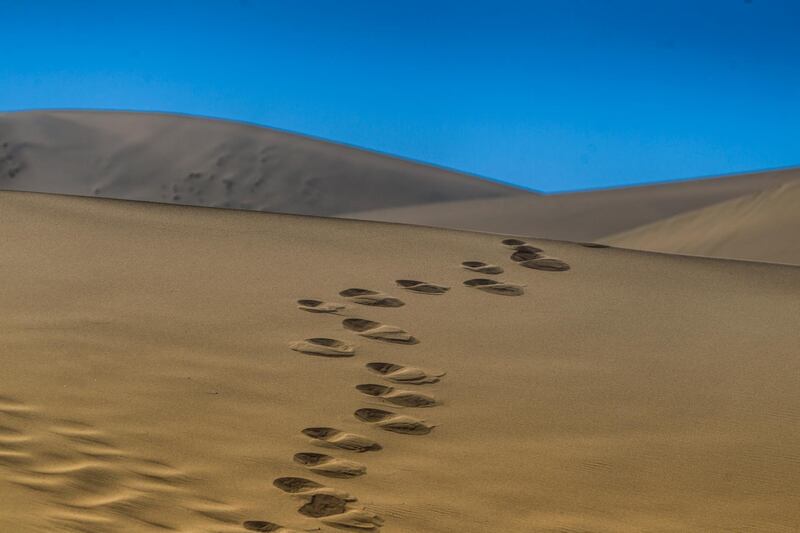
(762, 227)
(196, 161)
(152, 380)
(583, 216)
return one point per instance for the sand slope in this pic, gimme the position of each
(762, 227)
(148, 381)
(195, 161)
(584, 216)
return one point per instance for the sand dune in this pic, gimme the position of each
(196, 161)
(149, 383)
(761, 227)
(584, 216)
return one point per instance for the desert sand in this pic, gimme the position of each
(625, 216)
(763, 226)
(172, 368)
(203, 162)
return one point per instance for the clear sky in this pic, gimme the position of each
(552, 95)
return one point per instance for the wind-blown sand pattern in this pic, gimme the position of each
(147, 384)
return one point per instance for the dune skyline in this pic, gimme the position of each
(195, 161)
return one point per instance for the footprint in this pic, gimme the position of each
(323, 505)
(532, 257)
(422, 286)
(405, 374)
(318, 306)
(368, 297)
(354, 518)
(483, 268)
(306, 488)
(378, 331)
(407, 425)
(334, 438)
(495, 287)
(525, 253)
(325, 465)
(324, 347)
(513, 243)
(549, 264)
(333, 511)
(403, 398)
(264, 526)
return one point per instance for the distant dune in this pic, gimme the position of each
(189, 369)
(203, 162)
(195, 161)
(597, 215)
(760, 226)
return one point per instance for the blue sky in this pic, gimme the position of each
(554, 95)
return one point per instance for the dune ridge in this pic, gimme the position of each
(205, 162)
(196, 161)
(763, 226)
(149, 382)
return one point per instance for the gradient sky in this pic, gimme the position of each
(552, 95)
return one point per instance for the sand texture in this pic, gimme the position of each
(150, 379)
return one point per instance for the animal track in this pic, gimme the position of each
(405, 374)
(378, 331)
(393, 422)
(324, 347)
(495, 287)
(307, 488)
(326, 465)
(368, 297)
(334, 438)
(403, 398)
(421, 286)
(318, 306)
(483, 268)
